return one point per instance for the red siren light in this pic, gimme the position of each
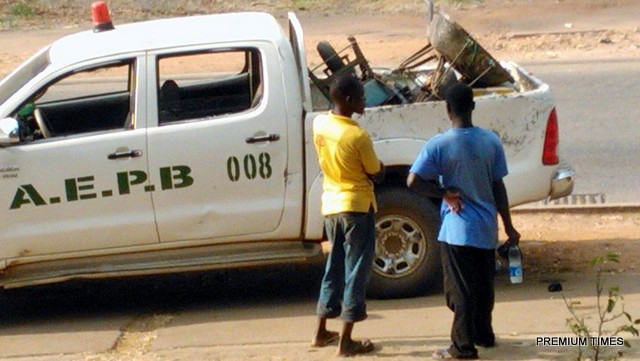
(101, 17)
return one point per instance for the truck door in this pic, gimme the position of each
(296, 38)
(75, 182)
(219, 152)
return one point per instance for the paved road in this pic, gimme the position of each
(599, 117)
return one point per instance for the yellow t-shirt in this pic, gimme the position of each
(346, 157)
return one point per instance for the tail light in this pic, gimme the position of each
(551, 139)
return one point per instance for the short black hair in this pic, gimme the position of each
(344, 86)
(460, 99)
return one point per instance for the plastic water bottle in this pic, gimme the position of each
(515, 264)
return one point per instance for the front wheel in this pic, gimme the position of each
(407, 260)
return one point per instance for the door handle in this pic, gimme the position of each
(263, 138)
(131, 154)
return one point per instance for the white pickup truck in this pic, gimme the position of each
(184, 144)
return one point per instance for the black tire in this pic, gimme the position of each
(407, 261)
(330, 56)
(7, 307)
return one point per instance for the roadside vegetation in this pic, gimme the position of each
(610, 311)
(51, 13)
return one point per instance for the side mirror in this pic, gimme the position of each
(9, 131)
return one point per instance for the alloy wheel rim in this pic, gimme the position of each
(400, 246)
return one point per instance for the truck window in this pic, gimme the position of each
(203, 85)
(27, 71)
(88, 100)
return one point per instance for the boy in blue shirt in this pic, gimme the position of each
(465, 166)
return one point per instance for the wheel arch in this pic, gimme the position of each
(407, 260)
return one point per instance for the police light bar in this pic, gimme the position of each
(101, 17)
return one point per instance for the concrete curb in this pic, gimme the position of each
(519, 35)
(578, 209)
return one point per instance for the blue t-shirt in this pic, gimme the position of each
(469, 159)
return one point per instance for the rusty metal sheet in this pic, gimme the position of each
(464, 53)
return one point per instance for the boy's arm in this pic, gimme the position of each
(431, 188)
(379, 176)
(502, 204)
(373, 167)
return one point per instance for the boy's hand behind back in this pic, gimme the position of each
(452, 199)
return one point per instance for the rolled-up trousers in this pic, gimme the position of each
(348, 268)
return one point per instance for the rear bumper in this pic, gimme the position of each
(562, 183)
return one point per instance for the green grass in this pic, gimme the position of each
(23, 9)
(7, 22)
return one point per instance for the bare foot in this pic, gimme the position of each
(323, 339)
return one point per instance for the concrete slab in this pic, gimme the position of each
(523, 312)
(59, 337)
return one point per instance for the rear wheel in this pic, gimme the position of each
(407, 260)
(7, 307)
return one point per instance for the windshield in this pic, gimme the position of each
(21, 76)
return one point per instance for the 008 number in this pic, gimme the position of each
(250, 167)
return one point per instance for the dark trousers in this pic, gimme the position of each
(469, 275)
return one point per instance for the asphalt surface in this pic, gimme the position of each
(599, 127)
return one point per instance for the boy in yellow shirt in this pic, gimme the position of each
(350, 165)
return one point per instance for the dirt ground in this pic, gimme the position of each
(553, 242)
(387, 31)
(522, 30)
(566, 241)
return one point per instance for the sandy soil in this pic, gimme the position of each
(566, 241)
(547, 30)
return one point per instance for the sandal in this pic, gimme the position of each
(445, 355)
(331, 338)
(358, 348)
